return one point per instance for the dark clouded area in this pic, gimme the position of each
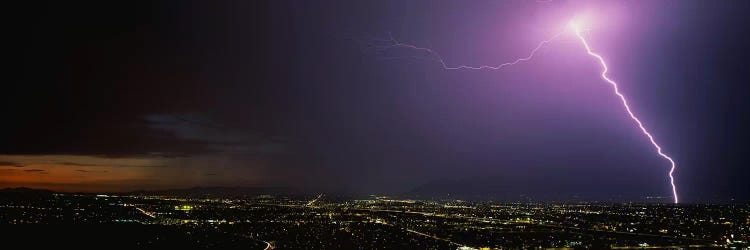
(91, 171)
(34, 170)
(65, 163)
(164, 94)
(111, 70)
(11, 164)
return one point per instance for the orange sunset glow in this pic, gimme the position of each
(73, 173)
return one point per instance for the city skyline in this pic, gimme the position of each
(268, 221)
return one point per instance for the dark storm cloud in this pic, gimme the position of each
(35, 170)
(102, 78)
(215, 136)
(140, 166)
(91, 171)
(74, 164)
(11, 164)
(67, 163)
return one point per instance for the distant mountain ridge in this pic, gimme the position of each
(25, 190)
(489, 189)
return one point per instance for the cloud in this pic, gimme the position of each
(162, 135)
(75, 164)
(11, 164)
(216, 137)
(91, 171)
(67, 163)
(140, 166)
(39, 171)
(124, 137)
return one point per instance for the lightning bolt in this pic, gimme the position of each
(439, 59)
(577, 30)
(627, 108)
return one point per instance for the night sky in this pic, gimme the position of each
(120, 96)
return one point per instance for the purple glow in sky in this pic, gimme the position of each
(577, 26)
